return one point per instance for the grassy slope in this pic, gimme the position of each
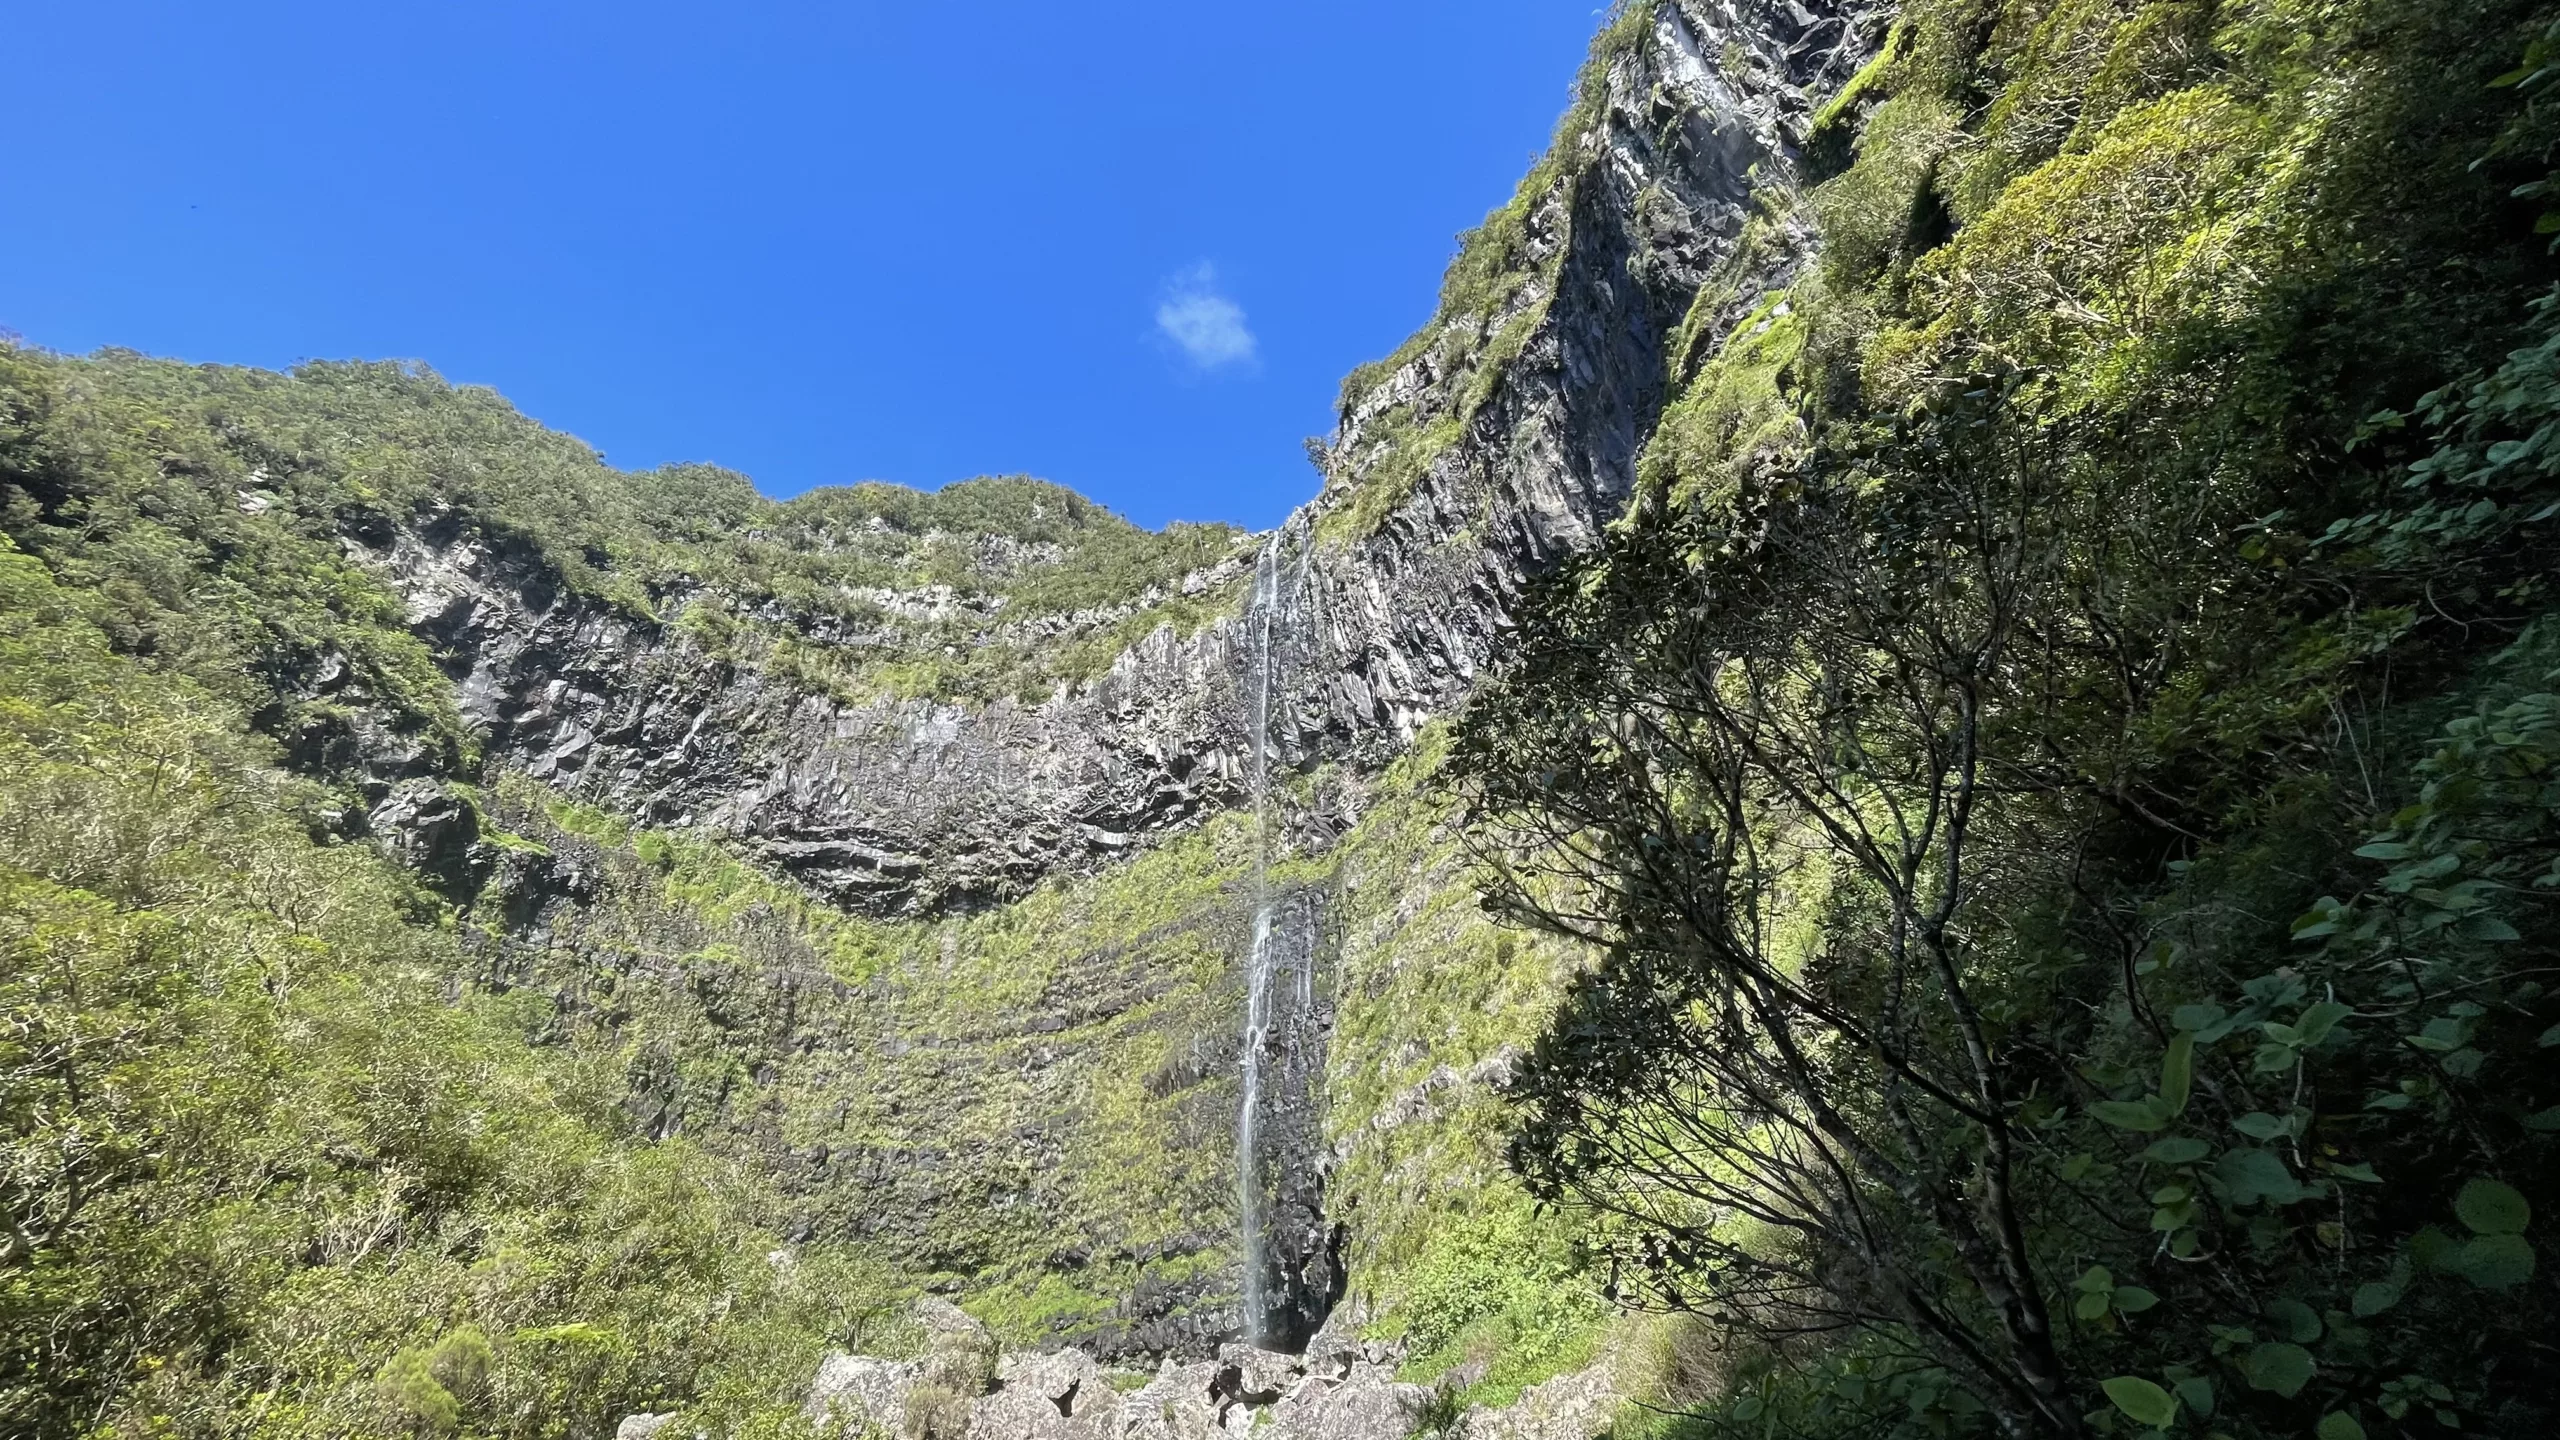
(209, 501)
(266, 1172)
(1037, 1103)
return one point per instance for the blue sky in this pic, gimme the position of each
(1131, 247)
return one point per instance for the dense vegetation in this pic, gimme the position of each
(265, 1170)
(289, 1149)
(206, 505)
(2055, 771)
(2058, 766)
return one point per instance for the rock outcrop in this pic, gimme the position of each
(1397, 577)
(1067, 1395)
(1340, 1389)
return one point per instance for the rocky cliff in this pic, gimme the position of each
(1501, 437)
(975, 867)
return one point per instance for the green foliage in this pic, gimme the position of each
(264, 1173)
(1503, 1293)
(1942, 754)
(413, 1398)
(202, 513)
(1452, 1257)
(924, 1060)
(2142, 1401)
(1492, 299)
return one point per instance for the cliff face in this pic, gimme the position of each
(914, 849)
(1502, 437)
(1507, 434)
(888, 805)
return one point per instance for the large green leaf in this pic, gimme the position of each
(2495, 1262)
(2260, 1126)
(2177, 1073)
(2339, 1425)
(2300, 1321)
(2197, 1392)
(2250, 1176)
(2147, 1403)
(2279, 1367)
(2147, 1115)
(2492, 1207)
(2319, 1020)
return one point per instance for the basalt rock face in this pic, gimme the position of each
(1699, 127)
(908, 806)
(1294, 1245)
(1043, 1089)
(890, 807)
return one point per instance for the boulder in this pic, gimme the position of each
(1062, 1395)
(1367, 1404)
(855, 1393)
(435, 830)
(1256, 1377)
(1180, 1403)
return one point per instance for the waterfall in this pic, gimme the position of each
(1278, 995)
(1251, 1194)
(1292, 1273)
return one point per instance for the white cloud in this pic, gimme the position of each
(1207, 325)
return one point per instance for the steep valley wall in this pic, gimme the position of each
(989, 1016)
(964, 976)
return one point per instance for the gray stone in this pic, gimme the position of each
(855, 1392)
(435, 831)
(1367, 1404)
(1180, 1403)
(1257, 1377)
(1063, 1395)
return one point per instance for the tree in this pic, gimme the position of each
(1940, 807)
(1788, 762)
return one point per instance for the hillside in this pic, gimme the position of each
(1897, 786)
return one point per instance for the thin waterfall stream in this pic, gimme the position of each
(1250, 1192)
(1268, 957)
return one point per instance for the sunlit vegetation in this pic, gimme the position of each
(2057, 771)
(266, 1170)
(206, 506)
(1492, 299)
